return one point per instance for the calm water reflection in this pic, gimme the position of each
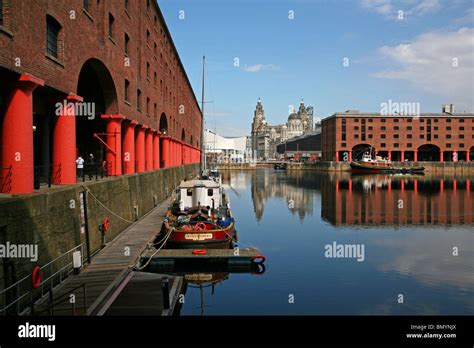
(408, 225)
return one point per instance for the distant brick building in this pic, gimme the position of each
(428, 137)
(116, 63)
(304, 147)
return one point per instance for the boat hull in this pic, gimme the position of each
(203, 239)
(362, 168)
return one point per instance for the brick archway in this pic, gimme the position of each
(428, 152)
(359, 149)
(96, 85)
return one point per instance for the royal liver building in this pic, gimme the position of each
(265, 137)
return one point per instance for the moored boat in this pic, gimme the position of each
(200, 217)
(369, 165)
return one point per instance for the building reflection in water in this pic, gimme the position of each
(369, 200)
(296, 188)
(396, 200)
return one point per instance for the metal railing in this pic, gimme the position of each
(22, 294)
(94, 171)
(66, 296)
(6, 179)
(46, 174)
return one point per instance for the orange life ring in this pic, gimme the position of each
(36, 277)
(199, 252)
(200, 226)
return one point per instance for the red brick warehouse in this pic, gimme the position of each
(114, 67)
(439, 137)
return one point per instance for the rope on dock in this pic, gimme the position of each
(115, 214)
(139, 268)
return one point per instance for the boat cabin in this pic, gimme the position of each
(195, 193)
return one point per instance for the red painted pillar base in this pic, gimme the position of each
(17, 137)
(402, 156)
(149, 149)
(64, 144)
(415, 156)
(140, 148)
(113, 155)
(156, 150)
(441, 156)
(128, 147)
(337, 156)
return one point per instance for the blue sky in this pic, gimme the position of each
(427, 56)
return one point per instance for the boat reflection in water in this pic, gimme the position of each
(203, 278)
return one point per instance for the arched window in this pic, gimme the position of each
(111, 25)
(127, 44)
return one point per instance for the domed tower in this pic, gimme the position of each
(306, 116)
(258, 124)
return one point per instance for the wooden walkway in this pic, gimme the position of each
(108, 268)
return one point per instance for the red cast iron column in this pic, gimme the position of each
(140, 148)
(64, 143)
(129, 148)
(166, 151)
(149, 149)
(113, 155)
(156, 150)
(17, 136)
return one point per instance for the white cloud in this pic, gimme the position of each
(383, 7)
(425, 7)
(259, 67)
(389, 8)
(427, 62)
(466, 19)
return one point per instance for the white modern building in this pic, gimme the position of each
(225, 150)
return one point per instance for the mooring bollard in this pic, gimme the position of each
(166, 293)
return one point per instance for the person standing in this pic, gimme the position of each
(80, 166)
(91, 166)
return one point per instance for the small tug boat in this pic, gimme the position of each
(368, 165)
(200, 216)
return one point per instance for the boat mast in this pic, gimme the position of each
(203, 154)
